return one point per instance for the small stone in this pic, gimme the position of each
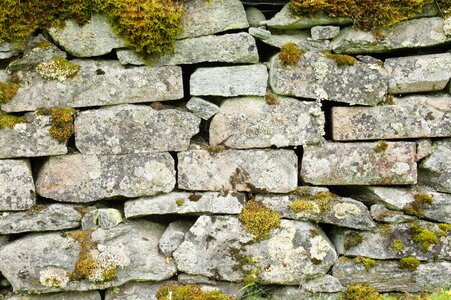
(8, 50)
(94, 295)
(90, 218)
(255, 17)
(202, 108)
(16, 185)
(324, 32)
(381, 214)
(296, 293)
(174, 236)
(3, 240)
(324, 284)
(435, 170)
(109, 217)
(424, 148)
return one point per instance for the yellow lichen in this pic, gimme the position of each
(259, 219)
(290, 54)
(62, 122)
(11, 120)
(189, 292)
(409, 263)
(8, 91)
(341, 59)
(57, 68)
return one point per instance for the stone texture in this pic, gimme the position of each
(424, 148)
(324, 32)
(98, 83)
(185, 203)
(202, 108)
(86, 178)
(417, 33)
(43, 262)
(413, 117)
(228, 48)
(381, 214)
(214, 245)
(41, 218)
(8, 50)
(109, 217)
(316, 76)
(91, 39)
(16, 185)
(251, 122)
(30, 139)
(359, 164)
(90, 218)
(421, 73)
(174, 236)
(386, 276)
(255, 16)
(126, 129)
(94, 295)
(435, 170)
(41, 52)
(242, 170)
(229, 81)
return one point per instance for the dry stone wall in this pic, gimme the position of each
(163, 159)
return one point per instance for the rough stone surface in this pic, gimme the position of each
(186, 203)
(242, 170)
(214, 244)
(424, 148)
(422, 73)
(92, 39)
(8, 50)
(132, 249)
(202, 108)
(255, 16)
(435, 170)
(126, 129)
(174, 236)
(109, 217)
(3, 240)
(417, 33)
(16, 185)
(251, 122)
(87, 178)
(413, 117)
(324, 32)
(360, 164)
(90, 218)
(94, 295)
(36, 55)
(229, 81)
(98, 83)
(386, 276)
(381, 214)
(316, 76)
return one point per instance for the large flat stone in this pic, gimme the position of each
(86, 178)
(94, 295)
(240, 170)
(435, 170)
(316, 76)
(43, 263)
(98, 83)
(360, 164)
(233, 81)
(134, 129)
(16, 185)
(412, 117)
(253, 123)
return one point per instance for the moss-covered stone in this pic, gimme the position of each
(341, 59)
(57, 68)
(180, 202)
(189, 292)
(409, 263)
(361, 291)
(10, 121)
(416, 207)
(62, 122)
(423, 237)
(318, 203)
(398, 246)
(352, 239)
(368, 263)
(259, 219)
(380, 147)
(86, 264)
(290, 54)
(271, 99)
(8, 91)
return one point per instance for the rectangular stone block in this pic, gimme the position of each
(241, 170)
(16, 185)
(378, 163)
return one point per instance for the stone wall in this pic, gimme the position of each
(222, 166)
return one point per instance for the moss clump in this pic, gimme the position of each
(259, 219)
(416, 207)
(361, 291)
(352, 239)
(318, 203)
(290, 54)
(189, 292)
(86, 264)
(380, 147)
(445, 227)
(423, 237)
(341, 59)
(398, 246)
(368, 263)
(180, 202)
(271, 99)
(109, 274)
(57, 68)
(409, 263)
(11, 120)
(62, 122)
(389, 100)
(303, 206)
(8, 91)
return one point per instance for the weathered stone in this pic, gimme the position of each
(255, 17)
(8, 50)
(316, 76)
(90, 218)
(251, 122)
(229, 81)
(174, 236)
(91, 39)
(41, 52)
(87, 178)
(323, 284)
(413, 117)
(220, 247)
(422, 73)
(202, 108)
(209, 17)
(435, 170)
(242, 170)
(319, 205)
(381, 214)
(41, 218)
(447, 26)
(4, 76)
(386, 276)
(382, 242)
(16, 185)
(295, 293)
(381, 163)
(94, 295)
(3, 240)
(43, 263)
(97, 83)
(324, 32)
(30, 139)
(126, 129)
(417, 33)
(109, 217)
(424, 148)
(228, 48)
(185, 203)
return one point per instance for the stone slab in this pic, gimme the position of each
(324, 32)
(94, 295)
(202, 108)
(17, 190)
(435, 170)
(381, 214)
(174, 236)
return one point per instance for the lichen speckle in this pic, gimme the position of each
(57, 68)
(180, 202)
(54, 278)
(320, 248)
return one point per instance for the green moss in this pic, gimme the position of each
(271, 99)
(180, 202)
(259, 219)
(189, 292)
(318, 203)
(303, 206)
(381, 146)
(290, 54)
(409, 263)
(8, 91)
(352, 239)
(361, 291)
(398, 246)
(109, 274)
(11, 120)
(43, 44)
(416, 207)
(341, 59)
(368, 263)
(62, 122)
(85, 265)
(423, 237)
(57, 68)
(445, 227)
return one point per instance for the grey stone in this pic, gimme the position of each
(360, 164)
(174, 236)
(8, 50)
(324, 32)
(381, 214)
(41, 218)
(344, 212)
(17, 190)
(424, 148)
(202, 108)
(98, 83)
(42, 263)
(214, 245)
(185, 203)
(242, 170)
(413, 117)
(386, 276)
(435, 170)
(251, 122)
(129, 128)
(255, 17)
(417, 33)
(3, 240)
(94, 295)
(447, 26)
(421, 73)
(30, 139)
(4, 76)
(109, 217)
(91, 39)
(41, 52)
(193, 279)
(229, 81)
(295, 293)
(324, 284)
(316, 76)
(86, 178)
(90, 218)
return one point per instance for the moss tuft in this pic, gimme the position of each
(398, 246)
(11, 120)
(380, 147)
(303, 206)
(423, 237)
(189, 292)
(57, 68)
(318, 203)
(86, 264)
(290, 54)
(271, 99)
(8, 91)
(361, 291)
(409, 263)
(445, 227)
(62, 122)
(180, 202)
(352, 239)
(416, 207)
(368, 263)
(110, 273)
(341, 59)
(259, 219)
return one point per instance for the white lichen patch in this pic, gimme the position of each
(320, 248)
(57, 68)
(107, 258)
(54, 278)
(342, 210)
